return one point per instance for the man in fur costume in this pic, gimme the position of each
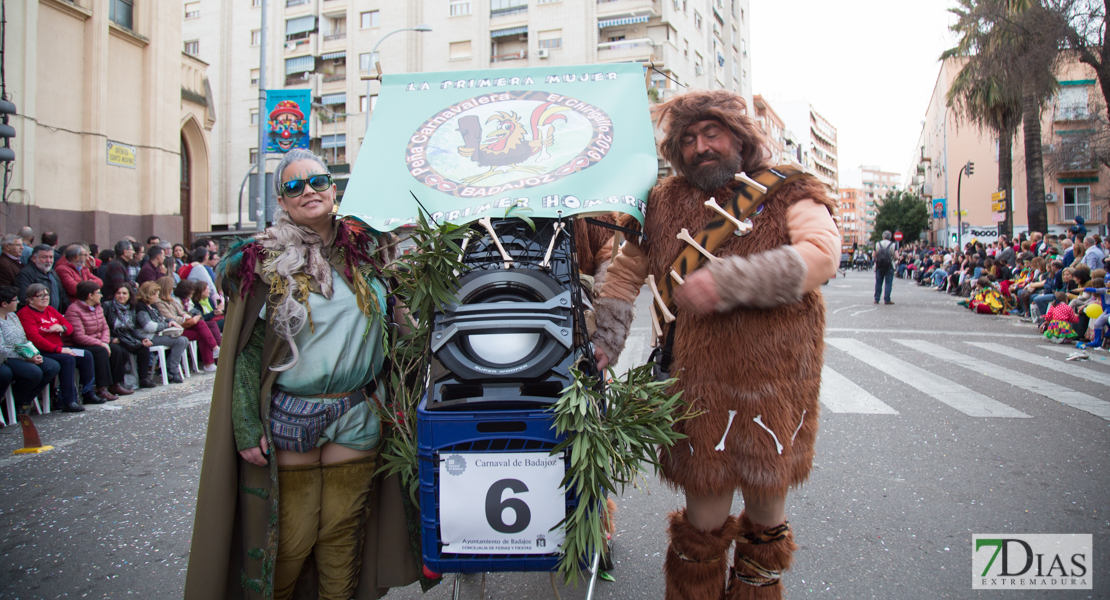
(747, 348)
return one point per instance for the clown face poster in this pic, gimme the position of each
(287, 116)
(470, 144)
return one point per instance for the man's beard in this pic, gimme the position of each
(714, 176)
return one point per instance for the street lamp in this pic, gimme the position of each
(419, 28)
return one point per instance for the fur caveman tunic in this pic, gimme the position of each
(763, 363)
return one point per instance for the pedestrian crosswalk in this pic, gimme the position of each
(930, 368)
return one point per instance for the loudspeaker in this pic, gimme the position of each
(513, 333)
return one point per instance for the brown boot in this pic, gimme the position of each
(762, 554)
(343, 511)
(696, 560)
(298, 522)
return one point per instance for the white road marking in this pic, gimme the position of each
(864, 311)
(961, 398)
(962, 334)
(1060, 366)
(1059, 393)
(841, 395)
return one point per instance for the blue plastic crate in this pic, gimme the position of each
(488, 431)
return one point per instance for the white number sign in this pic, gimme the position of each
(501, 503)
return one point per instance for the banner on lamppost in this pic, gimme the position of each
(287, 120)
(940, 208)
(471, 144)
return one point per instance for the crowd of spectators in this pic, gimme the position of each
(75, 316)
(1055, 282)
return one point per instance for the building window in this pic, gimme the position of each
(552, 38)
(366, 61)
(697, 20)
(1077, 202)
(254, 156)
(256, 37)
(122, 12)
(686, 49)
(254, 76)
(192, 10)
(460, 7)
(1071, 102)
(370, 19)
(459, 50)
(256, 3)
(684, 6)
(254, 117)
(192, 48)
(500, 8)
(362, 102)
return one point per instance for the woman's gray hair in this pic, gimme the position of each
(34, 290)
(291, 157)
(301, 251)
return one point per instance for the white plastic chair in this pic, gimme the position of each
(160, 362)
(9, 401)
(193, 349)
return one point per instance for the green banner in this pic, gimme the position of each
(472, 144)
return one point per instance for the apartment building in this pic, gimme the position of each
(851, 213)
(112, 133)
(327, 46)
(815, 142)
(1075, 184)
(774, 128)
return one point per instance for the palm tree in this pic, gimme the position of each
(1012, 45)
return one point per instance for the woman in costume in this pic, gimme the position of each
(292, 440)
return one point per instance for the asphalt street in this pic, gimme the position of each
(936, 424)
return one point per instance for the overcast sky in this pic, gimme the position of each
(868, 66)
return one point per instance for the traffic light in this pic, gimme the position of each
(6, 131)
(970, 168)
(954, 239)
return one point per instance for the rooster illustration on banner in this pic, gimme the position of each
(508, 146)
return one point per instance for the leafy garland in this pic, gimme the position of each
(610, 433)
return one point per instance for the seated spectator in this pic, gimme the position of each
(10, 262)
(1098, 307)
(159, 330)
(185, 292)
(136, 261)
(117, 272)
(91, 334)
(44, 327)
(41, 271)
(28, 236)
(1059, 321)
(1054, 280)
(985, 300)
(73, 269)
(104, 258)
(50, 238)
(200, 272)
(203, 306)
(30, 372)
(179, 254)
(153, 269)
(119, 312)
(172, 310)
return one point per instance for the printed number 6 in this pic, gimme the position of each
(495, 506)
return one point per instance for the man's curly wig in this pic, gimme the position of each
(727, 108)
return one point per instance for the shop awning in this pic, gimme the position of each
(334, 55)
(333, 141)
(340, 98)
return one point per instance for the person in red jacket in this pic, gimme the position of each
(91, 334)
(74, 269)
(44, 327)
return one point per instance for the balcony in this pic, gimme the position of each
(505, 12)
(331, 37)
(1071, 211)
(521, 55)
(328, 78)
(292, 3)
(612, 8)
(626, 50)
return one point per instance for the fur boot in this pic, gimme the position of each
(298, 522)
(697, 560)
(343, 511)
(761, 557)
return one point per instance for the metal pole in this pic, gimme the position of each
(959, 213)
(239, 221)
(260, 216)
(419, 28)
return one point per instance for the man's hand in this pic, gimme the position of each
(258, 454)
(699, 294)
(147, 343)
(601, 358)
